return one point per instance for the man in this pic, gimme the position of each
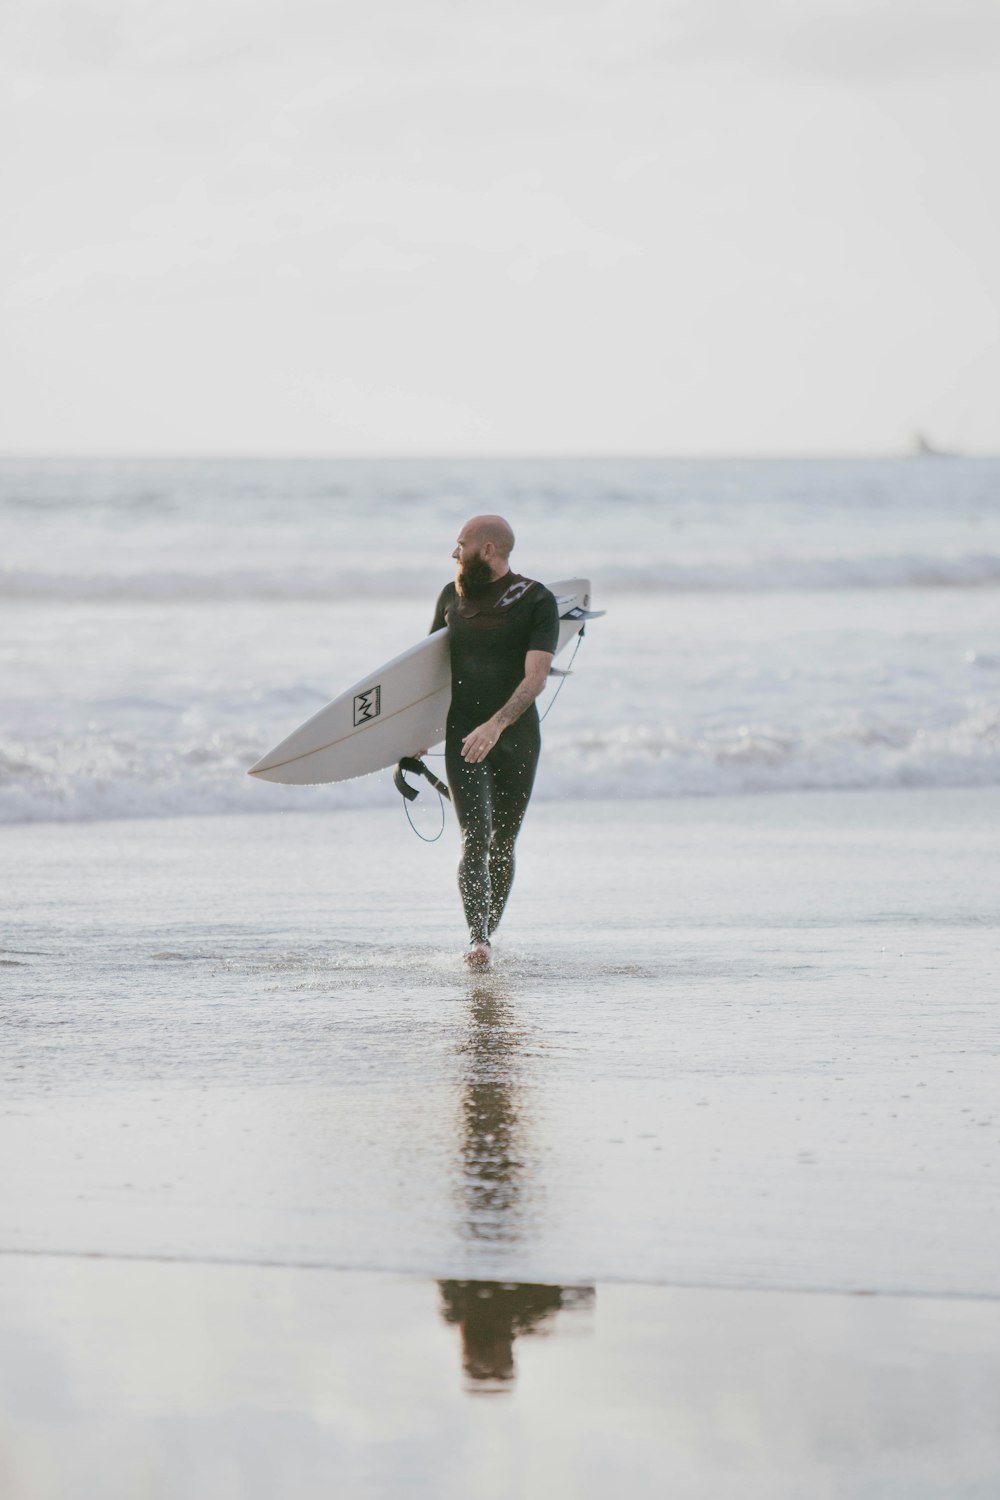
(502, 634)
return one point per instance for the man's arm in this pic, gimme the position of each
(439, 620)
(438, 623)
(477, 745)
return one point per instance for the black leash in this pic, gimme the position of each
(562, 674)
(416, 767)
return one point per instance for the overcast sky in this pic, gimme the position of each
(404, 226)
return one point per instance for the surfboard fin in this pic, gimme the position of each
(416, 768)
(583, 614)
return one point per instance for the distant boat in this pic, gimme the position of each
(924, 448)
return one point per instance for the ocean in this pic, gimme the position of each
(772, 625)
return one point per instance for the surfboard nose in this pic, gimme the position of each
(261, 769)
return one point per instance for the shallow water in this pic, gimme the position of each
(734, 1043)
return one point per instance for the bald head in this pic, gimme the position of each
(482, 550)
(483, 529)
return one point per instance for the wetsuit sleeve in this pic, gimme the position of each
(444, 599)
(544, 634)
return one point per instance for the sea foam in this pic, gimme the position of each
(92, 777)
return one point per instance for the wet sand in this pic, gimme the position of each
(732, 1050)
(124, 1380)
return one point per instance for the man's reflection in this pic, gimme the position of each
(494, 1168)
(497, 1192)
(491, 1314)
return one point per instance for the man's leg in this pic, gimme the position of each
(471, 792)
(515, 761)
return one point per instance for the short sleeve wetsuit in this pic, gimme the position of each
(489, 637)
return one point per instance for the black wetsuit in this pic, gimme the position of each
(489, 637)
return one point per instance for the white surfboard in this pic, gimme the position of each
(398, 710)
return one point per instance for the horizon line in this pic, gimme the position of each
(311, 455)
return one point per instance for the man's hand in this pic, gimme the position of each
(479, 742)
(477, 745)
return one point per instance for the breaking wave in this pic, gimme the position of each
(90, 777)
(764, 575)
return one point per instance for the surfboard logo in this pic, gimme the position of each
(367, 705)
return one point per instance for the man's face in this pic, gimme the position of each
(474, 572)
(466, 549)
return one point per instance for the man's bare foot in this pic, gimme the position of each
(478, 956)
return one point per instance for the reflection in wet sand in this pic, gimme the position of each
(495, 1174)
(495, 1183)
(491, 1314)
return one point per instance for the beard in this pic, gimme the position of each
(473, 577)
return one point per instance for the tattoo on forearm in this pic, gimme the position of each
(521, 699)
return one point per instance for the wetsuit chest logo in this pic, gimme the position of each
(367, 705)
(514, 593)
